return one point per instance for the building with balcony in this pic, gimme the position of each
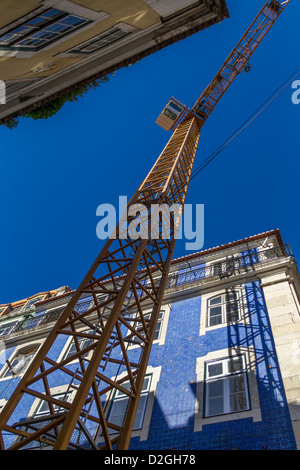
(50, 47)
(223, 371)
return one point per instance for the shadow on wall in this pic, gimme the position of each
(273, 432)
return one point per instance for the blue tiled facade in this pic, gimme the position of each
(172, 422)
(173, 413)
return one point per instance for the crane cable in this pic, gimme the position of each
(248, 121)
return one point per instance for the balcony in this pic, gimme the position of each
(228, 267)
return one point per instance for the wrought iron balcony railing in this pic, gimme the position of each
(227, 267)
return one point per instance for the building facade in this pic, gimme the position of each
(50, 47)
(224, 366)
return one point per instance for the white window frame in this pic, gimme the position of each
(58, 396)
(15, 354)
(223, 377)
(254, 412)
(66, 349)
(9, 325)
(55, 392)
(243, 316)
(2, 403)
(143, 432)
(163, 326)
(120, 397)
(223, 306)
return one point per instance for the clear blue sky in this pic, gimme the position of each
(55, 172)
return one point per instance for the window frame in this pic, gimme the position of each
(18, 352)
(163, 326)
(71, 342)
(32, 301)
(143, 432)
(118, 397)
(57, 396)
(224, 303)
(81, 48)
(253, 413)
(16, 45)
(225, 378)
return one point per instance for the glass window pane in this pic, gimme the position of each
(138, 422)
(215, 388)
(214, 311)
(170, 114)
(215, 315)
(43, 408)
(215, 406)
(175, 106)
(215, 300)
(117, 411)
(146, 383)
(232, 312)
(160, 316)
(215, 369)
(238, 402)
(237, 383)
(231, 296)
(215, 321)
(52, 13)
(235, 365)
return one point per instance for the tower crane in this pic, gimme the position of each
(105, 317)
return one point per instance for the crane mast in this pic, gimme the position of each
(105, 318)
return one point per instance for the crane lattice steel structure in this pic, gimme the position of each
(127, 276)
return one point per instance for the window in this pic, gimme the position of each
(20, 362)
(223, 308)
(175, 106)
(82, 343)
(43, 406)
(120, 401)
(41, 30)
(136, 339)
(103, 40)
(31, 302)
(7, 328)
(170, 114)
(226, 387)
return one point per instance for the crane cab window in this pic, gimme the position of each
(175, 106)
(170, 114)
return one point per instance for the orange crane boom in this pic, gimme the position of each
(106, 316)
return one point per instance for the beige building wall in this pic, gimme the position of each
(284, 313)
(35, 76)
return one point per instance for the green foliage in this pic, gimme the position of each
(12, 123)
(49, 109)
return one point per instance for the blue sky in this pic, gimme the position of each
(56, 172)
